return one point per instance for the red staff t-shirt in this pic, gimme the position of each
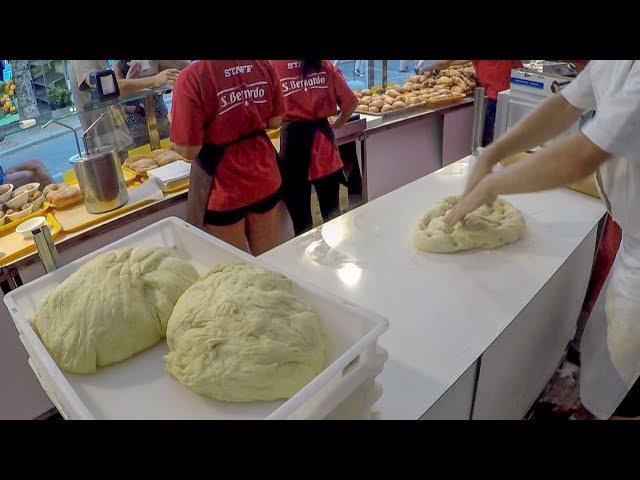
(314, 98)
(495, 75)
(219, 101)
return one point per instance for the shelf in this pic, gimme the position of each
(98, 108)
(50, 78)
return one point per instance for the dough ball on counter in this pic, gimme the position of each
(398, 105)
(486, 227)
(240, 334)
(374, 109)
(366, 92)
(386, 108)
(112, 307)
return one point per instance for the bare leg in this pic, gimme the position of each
(18, 179)
(37, 168)
(232, 234)
(262, 230)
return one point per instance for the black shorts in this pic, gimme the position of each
(229, 217)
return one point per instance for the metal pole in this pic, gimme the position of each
(384, 74)
(478, 120)
(372, 73)
(46, 249)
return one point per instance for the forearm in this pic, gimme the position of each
(548, 120)
(344, 116)
(177, 64)
(565, 161)
(189, 152)
(131, 86)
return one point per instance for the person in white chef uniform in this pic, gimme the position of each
(608, 145)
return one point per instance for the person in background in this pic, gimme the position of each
(220, 112)
(113, 131)
(609, 145)
(356, 67)
(313, 90)
(25, 172)
(135, 113)
(494, 76)
(416, 66)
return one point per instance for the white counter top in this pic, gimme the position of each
(444, 310)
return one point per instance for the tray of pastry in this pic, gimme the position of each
(160, 157)
(389, 102)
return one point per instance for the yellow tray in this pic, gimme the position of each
(12, 225)
(13, 245)
(69, 177)
(273, 133)
(77, 218)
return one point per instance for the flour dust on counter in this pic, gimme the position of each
(240, 334)
(112, 307)
(489, 227)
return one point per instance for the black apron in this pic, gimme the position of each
(203, 169)
(296, 144)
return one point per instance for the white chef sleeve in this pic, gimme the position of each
(579, 93)
(616, 125)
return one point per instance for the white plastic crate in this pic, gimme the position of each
(139, 388)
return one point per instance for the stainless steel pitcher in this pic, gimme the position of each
(101, 179)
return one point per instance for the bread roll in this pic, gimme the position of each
(365, 101)
(398, 105)
(377, 104)
(456, 89)
(66, 195)
(158, 152)
(444, 81)
(388, 100)
(52, 187)
(363, 108)
(366, 92)
(401, 98)
(392, 93)
(374, 109)
(141, 166)
(414, 101)
(167, 158)
(357, 94)
(386, 108)
(133, 158)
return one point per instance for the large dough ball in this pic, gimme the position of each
(112, 307)
(486, 227)
(240, 334)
